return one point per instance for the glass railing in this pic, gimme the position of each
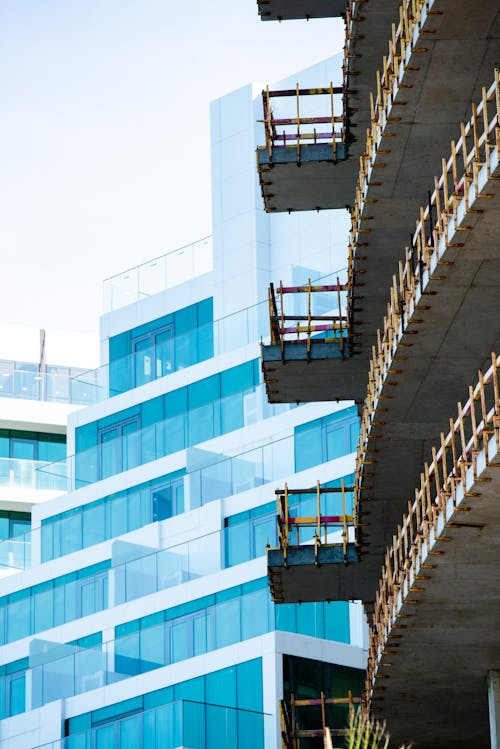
(152, 442)
(15, 553)
(135, 572)
(159, 274)
(29, 474)
(223, 335)
(58, 671)
(53, 387)
(183, 723)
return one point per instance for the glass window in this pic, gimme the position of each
(337, 442)
(181, 645)
(152, 647)
(127, 654)
(94, 523)
(254, 614)
(308, 445)
(17, 694)
(237, 543)
(227, 622)
(18, 619)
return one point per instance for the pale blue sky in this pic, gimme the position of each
(104, 134)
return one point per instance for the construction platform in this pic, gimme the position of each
(435, 628)
(321, 541)
(309, 357)
(443, 315)
(311, 180)
(304, 164)
(289, 10)
(444, 319)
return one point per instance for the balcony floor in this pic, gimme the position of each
(317, 183)
(287, 10)
(320, 375)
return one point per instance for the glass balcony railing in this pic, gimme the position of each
(159, 274)
(54, 387)
(223, 335)
(183, 723)
(29, 474)
(149, 443)
(15, 553)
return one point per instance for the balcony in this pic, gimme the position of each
(443, 312)
(156, 275)
(317, 558)
(438, 602)
(286, 10)
(310, 356)
(302, 168)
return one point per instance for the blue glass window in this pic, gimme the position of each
(163, 425)
(112, 516)
(326, 439)
(161, 346)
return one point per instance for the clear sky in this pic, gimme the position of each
(104, 135)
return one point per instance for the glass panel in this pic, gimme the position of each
(152, 647)
(131, 447)
(336, 442)
(17, 694)
(143, 361)
(23, 449)
(227, 622)
(164, 352)
(181, 645)
(131, 732)
(109, 452)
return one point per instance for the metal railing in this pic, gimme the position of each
(300, 130)
(158, 274)
(289, 526)
(479, 137)
(310, 324)
(477, 422)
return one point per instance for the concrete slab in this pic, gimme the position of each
(432, 677)
(296, 375)
(301, 580)
(286, 10)
(314, 183)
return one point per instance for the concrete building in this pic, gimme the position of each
(144, 617)
(418, 126)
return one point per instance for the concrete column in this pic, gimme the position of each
(494, 707)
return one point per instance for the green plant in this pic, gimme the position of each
(365, 732)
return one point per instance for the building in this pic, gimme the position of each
(144, 617)
(43, 378)
(419, 128)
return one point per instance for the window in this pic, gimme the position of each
(119, 448)
(160, 426)
(161, 346)
(326, 439)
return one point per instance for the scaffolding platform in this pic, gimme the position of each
(310, 355)
(305, 163)
(316, 560)
(288, 10)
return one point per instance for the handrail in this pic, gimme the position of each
(323, 524)
(297, 137)
(452, 187)
(307, 326)
(478, 421)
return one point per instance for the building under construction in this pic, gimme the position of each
(411, 144)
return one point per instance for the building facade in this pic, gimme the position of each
(143, 616)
